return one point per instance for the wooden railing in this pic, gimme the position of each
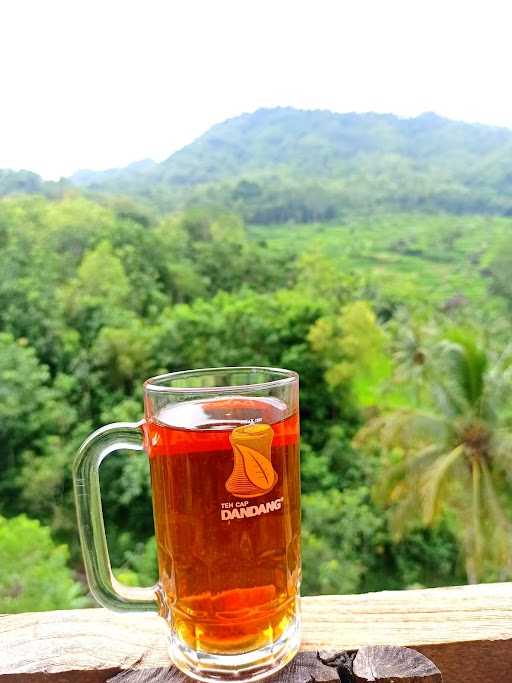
(466, 632)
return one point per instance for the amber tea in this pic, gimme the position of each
(226, 503)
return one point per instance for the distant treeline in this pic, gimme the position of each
(284, 165)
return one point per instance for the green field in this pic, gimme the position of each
(420, 259)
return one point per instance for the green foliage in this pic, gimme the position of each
(249, 328)
(454, 452)
(30, 411)
(124, 353)
(143, 563)
(356, 352)
(282, 164)
(343, 531)
(26, 182)
(395, 324)
(34, 574)
(340, 532)
(24, 394)
(498, 262)
(425, 557)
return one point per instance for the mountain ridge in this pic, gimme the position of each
(279, 164)
(246, 123)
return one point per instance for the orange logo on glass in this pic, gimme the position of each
(253, 474)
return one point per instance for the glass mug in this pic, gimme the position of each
(223, 447)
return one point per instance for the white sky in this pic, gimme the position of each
(97, 84)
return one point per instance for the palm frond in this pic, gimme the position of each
(467, 364)
(498, 384)
(404, 517)
(432, 482)
(501, 446)
(405, 429)
(499, 541)
(447, 400)
(404, 495)
(400, 480)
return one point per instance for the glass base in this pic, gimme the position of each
(250, 666)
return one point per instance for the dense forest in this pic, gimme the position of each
(287, 165)
(283, 164)
(394, 306)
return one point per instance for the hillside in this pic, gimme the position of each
(284, 164)
(315, 144)
(27, 182)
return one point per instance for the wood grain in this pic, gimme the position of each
(391, 664)
(301, 670)
(466, 632)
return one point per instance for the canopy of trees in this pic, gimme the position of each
(398, 325)
(287, 165)
(283, 164)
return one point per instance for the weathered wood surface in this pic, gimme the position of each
(305, 666)
(387, 663)
(374, 664)
(466, 632)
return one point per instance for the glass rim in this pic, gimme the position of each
(157, 383)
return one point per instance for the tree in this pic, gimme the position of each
(247, 328)
(99, 294)
(324, 277)
(340, 532)
(499, 264)
(355, 349)
(34, 574)
(412, 350)
(124, 354)
(30, 410)
(453, 456)
(13, 182)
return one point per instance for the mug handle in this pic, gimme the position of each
(103, 585)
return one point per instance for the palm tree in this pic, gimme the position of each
(455, 455)
(410, 351)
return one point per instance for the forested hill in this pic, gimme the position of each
(285, 164)
(27, 182)
(281, 164)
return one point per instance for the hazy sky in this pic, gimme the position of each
(97, 84)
